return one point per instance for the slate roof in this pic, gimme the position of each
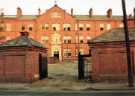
(114, 35)
(78, 17)
(97, 17)
(22, 41)
(10, 16)
(23, 17)
(27, 17)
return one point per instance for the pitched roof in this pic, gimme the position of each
(22, 41)
(114, 35)
(78, 17)
(27, 17)
(23, 17)
(10, 16)
(97, 17)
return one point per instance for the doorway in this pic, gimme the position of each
(43, 68)
(56, 56)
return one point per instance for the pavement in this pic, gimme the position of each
(92, 87)
(112, 86)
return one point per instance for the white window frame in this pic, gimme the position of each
(108, 26)
(57, 26)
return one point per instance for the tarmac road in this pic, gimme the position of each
(92, 93)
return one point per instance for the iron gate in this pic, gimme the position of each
(84, 66)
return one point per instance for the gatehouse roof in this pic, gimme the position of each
(22, 40)
(114, 35)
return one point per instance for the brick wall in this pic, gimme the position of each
(109, 62)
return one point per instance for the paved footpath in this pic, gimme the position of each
(70, 93)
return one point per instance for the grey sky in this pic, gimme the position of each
(79, 6)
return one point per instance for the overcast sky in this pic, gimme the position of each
(79, 6)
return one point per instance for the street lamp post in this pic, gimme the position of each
(134, 17)
(128, 50)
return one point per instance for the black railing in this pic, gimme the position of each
(84, 66)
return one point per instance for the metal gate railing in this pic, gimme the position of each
(84, 67)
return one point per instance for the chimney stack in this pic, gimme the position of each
(24, 34)
(130, 16)
(19, 12)
(39, 11)
(1, 17)
(72, 11)
(90, 12)
(109, 13)
(2, 14)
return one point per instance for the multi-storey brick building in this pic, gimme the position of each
(62, 33)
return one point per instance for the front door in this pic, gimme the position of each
(56, 55)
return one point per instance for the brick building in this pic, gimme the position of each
(109, 61)
(61, 32)
(22, 60)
